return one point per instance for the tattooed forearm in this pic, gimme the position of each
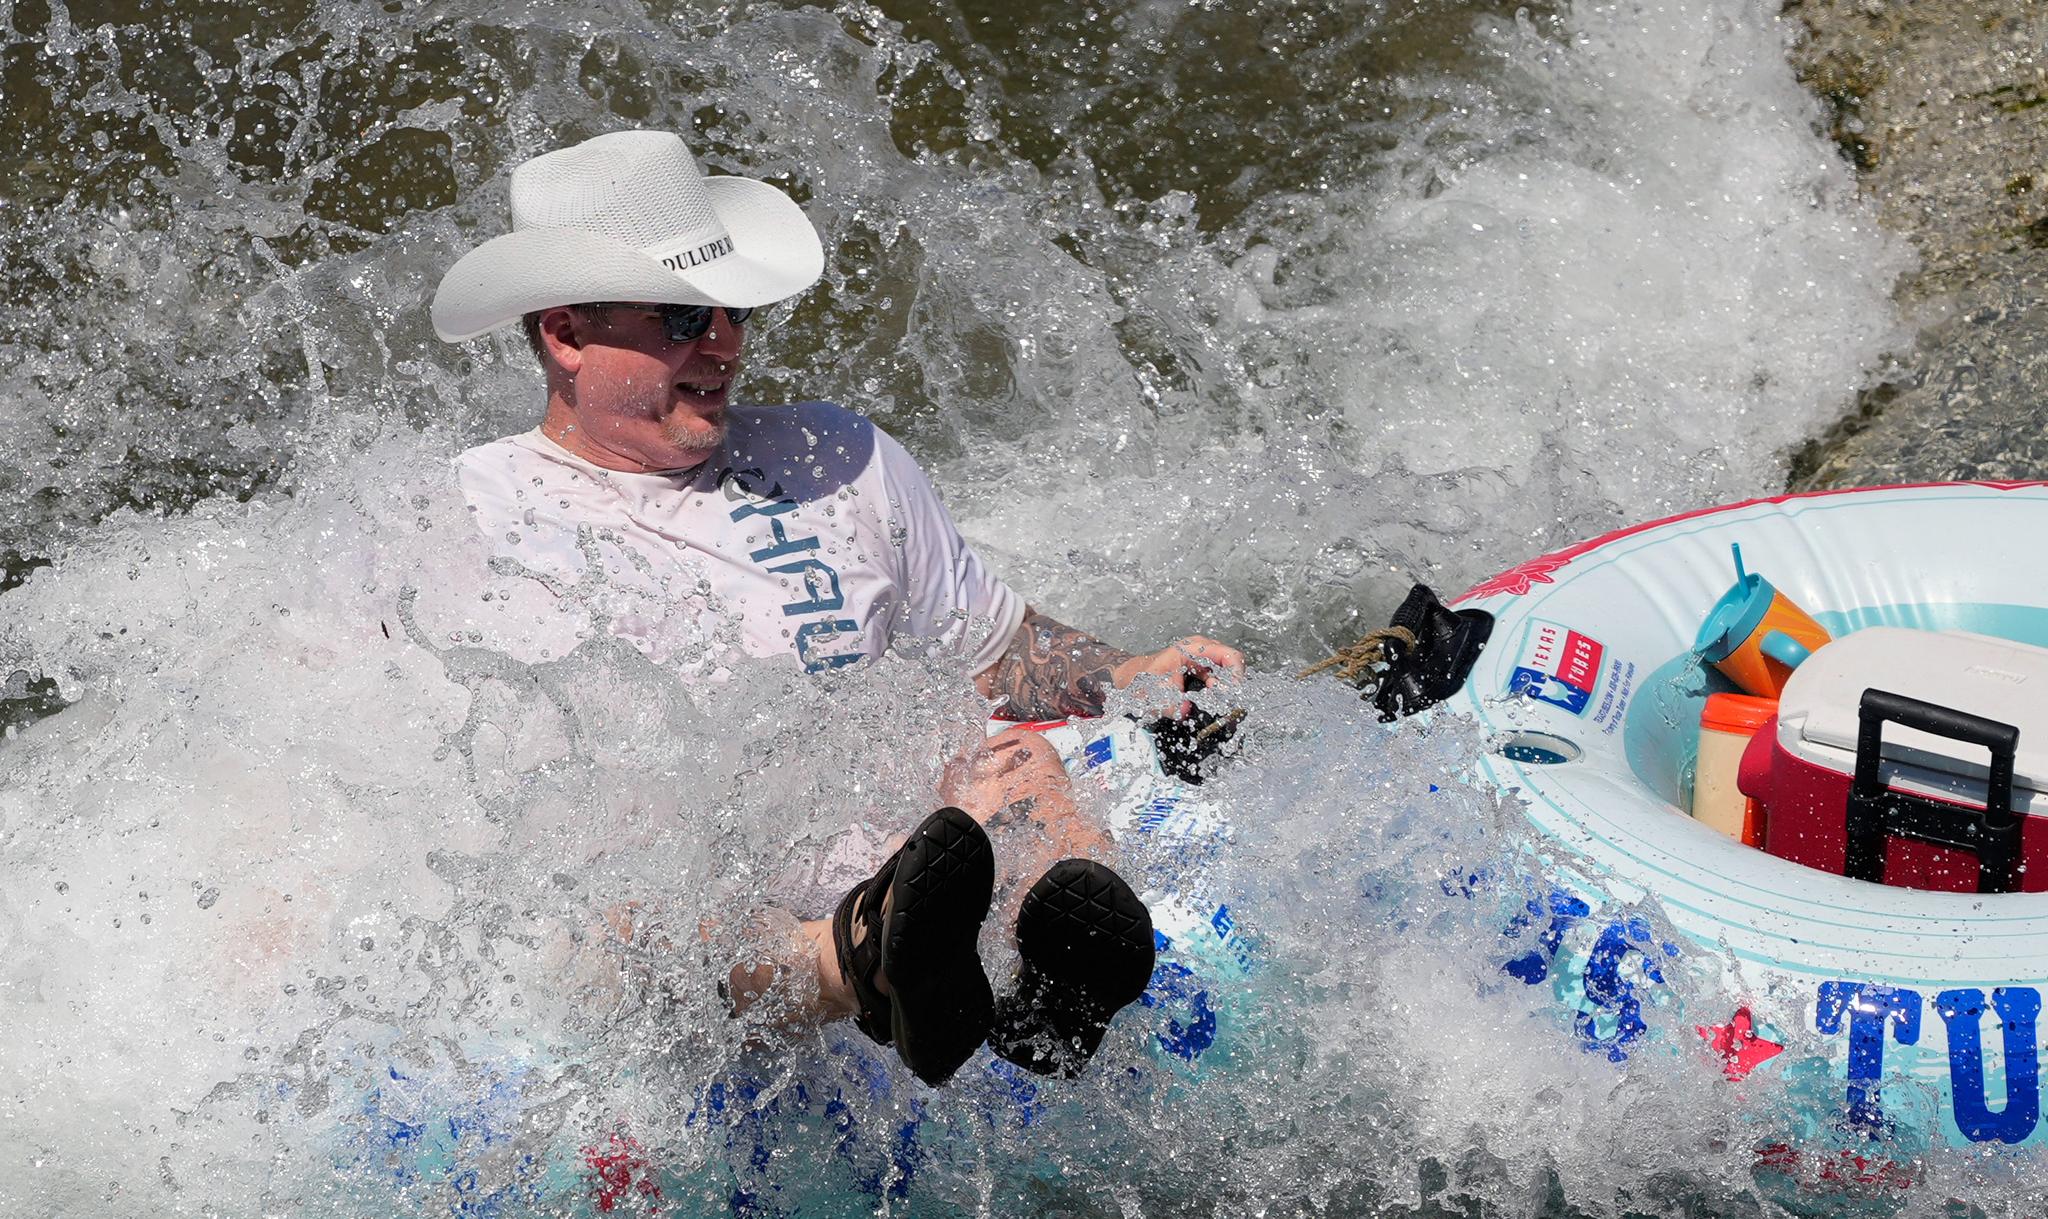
(1052, 670)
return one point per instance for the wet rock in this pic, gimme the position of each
(1943, 107)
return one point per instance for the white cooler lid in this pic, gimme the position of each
(1993, 678)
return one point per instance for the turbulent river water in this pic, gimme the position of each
(1234, 318)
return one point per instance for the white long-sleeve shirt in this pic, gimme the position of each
(812, 534)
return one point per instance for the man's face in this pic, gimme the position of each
(645, 399)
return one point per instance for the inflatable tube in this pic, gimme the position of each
(1927, 1003)
(768, 1142)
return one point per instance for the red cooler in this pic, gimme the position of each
(1914, 758)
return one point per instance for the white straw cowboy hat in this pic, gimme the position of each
(630, 217)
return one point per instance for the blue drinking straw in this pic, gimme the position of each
(1741, 576)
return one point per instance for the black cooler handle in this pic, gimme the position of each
(1877, 814)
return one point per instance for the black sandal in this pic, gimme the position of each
(1087, 949)
(940, 1004)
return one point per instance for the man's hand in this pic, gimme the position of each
(1052, 671)
(1169, 669)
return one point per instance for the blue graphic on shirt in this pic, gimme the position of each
(820, 580)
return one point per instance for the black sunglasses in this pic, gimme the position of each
(685, 323)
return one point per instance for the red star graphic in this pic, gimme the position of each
(621, 1172)
(1737, 1045)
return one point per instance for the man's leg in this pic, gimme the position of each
(900, 954)
(794, 966)
(1084, 938)
(1017, 787)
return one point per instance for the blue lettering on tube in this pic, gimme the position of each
(1869, 1008)
(1565, 909)
(1611, 990)
(2018, 1009)
(1191, 1022)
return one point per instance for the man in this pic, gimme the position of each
(696, 525)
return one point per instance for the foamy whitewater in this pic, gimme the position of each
(312, 893)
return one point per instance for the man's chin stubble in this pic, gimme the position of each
(701, 441)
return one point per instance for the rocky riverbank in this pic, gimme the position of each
(1943, 106)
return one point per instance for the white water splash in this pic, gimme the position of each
(334, 864)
